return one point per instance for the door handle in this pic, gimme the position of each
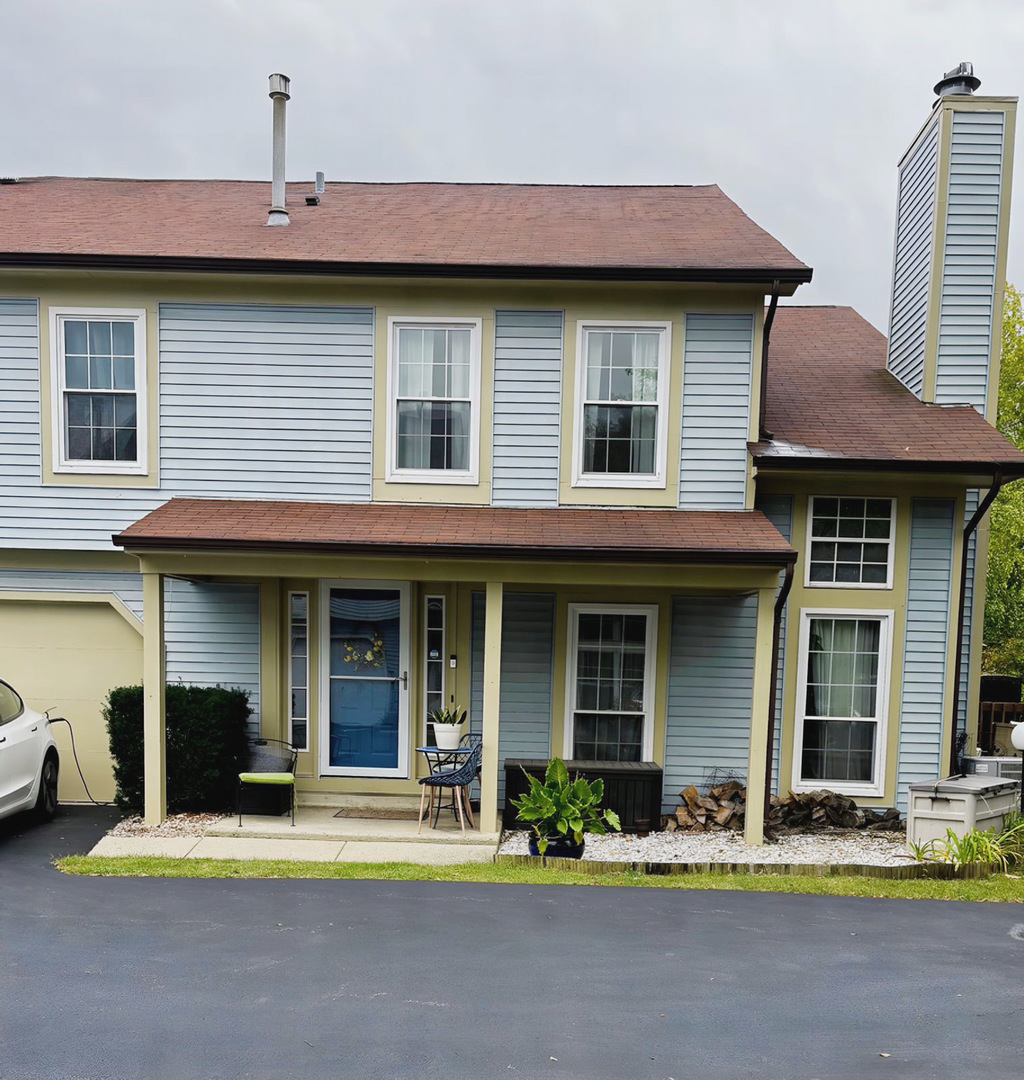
(4, 739)
(36, 728)
(405, 680)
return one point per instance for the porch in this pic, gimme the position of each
(576, 633)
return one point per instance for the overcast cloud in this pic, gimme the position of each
(799, 109)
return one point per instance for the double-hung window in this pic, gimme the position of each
(434, 421)
(611, 682)
(622, 384)
(843, 698)
(850, 541)
(99, 378)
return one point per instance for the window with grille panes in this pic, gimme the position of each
(298, 691)
(433, 661)
(99, 368)
(434, 418)
(850, 542)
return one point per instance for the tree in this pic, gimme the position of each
(1004, 603)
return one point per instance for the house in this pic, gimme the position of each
(556, 454)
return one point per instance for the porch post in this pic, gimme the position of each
(758, 754)
(492, 690)
(154, 680)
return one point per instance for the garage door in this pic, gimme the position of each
(65, 657)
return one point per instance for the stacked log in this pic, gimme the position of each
(723, 806)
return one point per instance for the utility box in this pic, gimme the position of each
(960, 803)
(1006, 768)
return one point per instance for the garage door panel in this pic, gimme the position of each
(66, 657)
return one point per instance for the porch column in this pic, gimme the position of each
(758, 755)
(154, 680)
(492, 691)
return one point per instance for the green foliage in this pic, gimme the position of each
(1004, 604)
(561, 805)
(1001, 850)
(447, 716)
(207, 745)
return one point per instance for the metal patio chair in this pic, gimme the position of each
(457, 781)
(271, 762)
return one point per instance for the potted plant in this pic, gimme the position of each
(447, 724)
(559, 811)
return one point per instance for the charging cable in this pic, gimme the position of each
(74, 752)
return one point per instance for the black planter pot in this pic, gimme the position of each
(561, 847)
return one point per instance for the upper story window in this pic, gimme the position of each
(850, 542)
(434, 400)
(99, 376)
(622, 377)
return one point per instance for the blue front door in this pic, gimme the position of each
(367, 673)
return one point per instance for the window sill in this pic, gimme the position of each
(94, 469)
(869, 585)
(851, 790)
(427, 477)
(616, 480)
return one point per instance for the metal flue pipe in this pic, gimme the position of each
(279, 94)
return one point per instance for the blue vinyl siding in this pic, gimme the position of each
(710, 690)
(925, 644)
(915, 240)
(527, 407)
(527, 670)
(20, 457)
(271, 402)
(970, 259)
(779, 511)
(717, 367)
(212, 629)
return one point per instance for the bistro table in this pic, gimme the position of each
(440, 760)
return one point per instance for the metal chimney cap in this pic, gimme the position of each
(961, 80)
(280, 86)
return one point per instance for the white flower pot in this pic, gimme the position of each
(447, 736)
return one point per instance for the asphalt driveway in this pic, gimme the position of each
(113, 978)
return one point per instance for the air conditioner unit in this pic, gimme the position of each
(1007, 768)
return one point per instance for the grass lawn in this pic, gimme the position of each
(997, 888)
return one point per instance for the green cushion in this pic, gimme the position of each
(266, 778)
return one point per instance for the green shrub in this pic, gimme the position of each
(207, 740)
(562, 805)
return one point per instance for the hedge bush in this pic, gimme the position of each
(207, 740)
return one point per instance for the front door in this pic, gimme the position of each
(365, 710)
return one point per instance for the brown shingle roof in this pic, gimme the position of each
(472, 532)
(831, 403)
(663, 231)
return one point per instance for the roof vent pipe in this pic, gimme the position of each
(319, 183)
(961, 80)
(279, 94)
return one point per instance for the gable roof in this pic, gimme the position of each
(520, 230)
(665, 536)
(831, 403)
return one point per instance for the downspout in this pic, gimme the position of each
(780, 603)
(997, 482)
(763, 432)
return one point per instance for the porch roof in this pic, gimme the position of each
(668, 536)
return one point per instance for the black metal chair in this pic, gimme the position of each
(457, 781)
(271, 762)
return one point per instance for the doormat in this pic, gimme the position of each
(378, 814)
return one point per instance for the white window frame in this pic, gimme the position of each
(395, 475)
(403, 768)
(291, 660)
(622, 480)
(426, 658)
(652, 611)
(851, 584)
(60, 462)
(877, 786)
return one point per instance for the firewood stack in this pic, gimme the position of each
(724, 807)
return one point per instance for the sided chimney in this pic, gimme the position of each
(949, 268)
(279, 94)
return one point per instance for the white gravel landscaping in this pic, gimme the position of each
(861, 849)
(175, 825)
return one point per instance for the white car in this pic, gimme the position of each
(29, 763)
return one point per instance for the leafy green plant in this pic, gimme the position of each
(1004, 849)
(447, 716)
(923, 852)
(560, 806)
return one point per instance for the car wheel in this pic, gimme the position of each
(46, 803)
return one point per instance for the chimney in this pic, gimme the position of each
(949, 265)
(279, 93)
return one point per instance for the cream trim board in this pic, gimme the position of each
(886, 617)
(616, 480)
(891, 542)
(394, 474)
(403, 768)
(59, 315)
(41, 596)
(652, 613)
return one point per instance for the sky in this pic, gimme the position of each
(798, 109)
